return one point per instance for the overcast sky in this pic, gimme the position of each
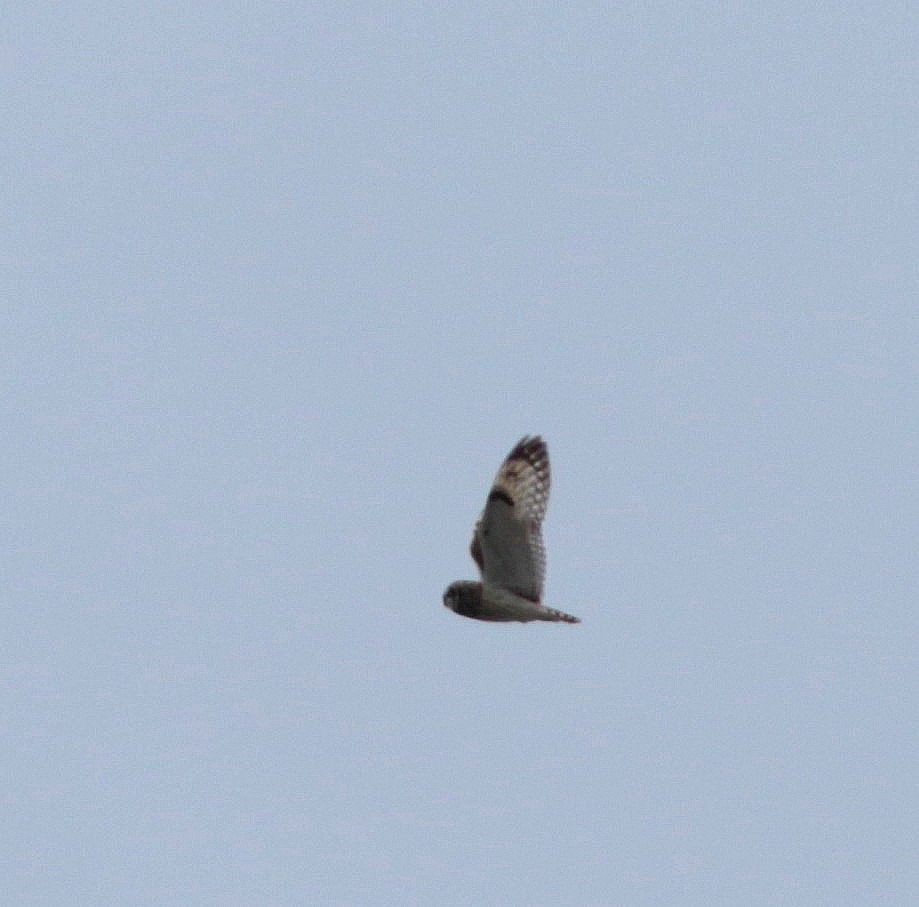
(283, 283)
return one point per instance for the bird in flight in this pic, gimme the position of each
(507, 544)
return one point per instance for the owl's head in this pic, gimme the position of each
(463, 596)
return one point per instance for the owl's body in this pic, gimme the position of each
(507, 544)
(483, 601)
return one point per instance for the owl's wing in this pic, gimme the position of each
(507, 540)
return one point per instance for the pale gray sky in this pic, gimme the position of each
(283, 284)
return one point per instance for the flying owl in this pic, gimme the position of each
(507, 544)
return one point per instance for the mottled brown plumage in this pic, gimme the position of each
(507, 544)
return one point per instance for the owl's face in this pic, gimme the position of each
(451, 596)
(462, 595)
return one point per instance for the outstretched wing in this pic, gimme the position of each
(507, 540)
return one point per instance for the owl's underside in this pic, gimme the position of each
(507, 544)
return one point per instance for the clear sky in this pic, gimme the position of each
(283, 283)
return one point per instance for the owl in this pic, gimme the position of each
(507, 544)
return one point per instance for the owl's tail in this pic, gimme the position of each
(553, 614)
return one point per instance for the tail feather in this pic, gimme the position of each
(561, 615)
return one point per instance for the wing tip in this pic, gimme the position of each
(527, 446)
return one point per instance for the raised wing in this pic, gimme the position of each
(507, 540)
